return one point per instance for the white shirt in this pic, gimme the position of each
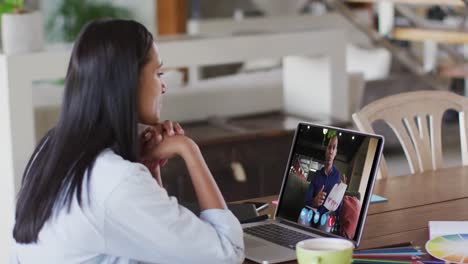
(129, 218)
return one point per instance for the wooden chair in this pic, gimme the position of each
(416, 120)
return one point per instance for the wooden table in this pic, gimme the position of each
(412, 201)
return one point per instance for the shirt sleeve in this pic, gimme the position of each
(143, 223)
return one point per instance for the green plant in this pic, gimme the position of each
(331, 133)
(11, 6)
(72, 15)
(328, 135)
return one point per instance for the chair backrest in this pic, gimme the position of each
(416, 120)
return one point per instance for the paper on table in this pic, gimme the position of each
(441, 228)
(335, 196)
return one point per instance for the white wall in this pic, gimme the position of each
(7, 192)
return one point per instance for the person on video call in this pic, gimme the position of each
(324, 179)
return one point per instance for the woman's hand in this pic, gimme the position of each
(178, 145)
(150, 138)
(208, 194)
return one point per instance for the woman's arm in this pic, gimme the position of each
(152, 138)
(152, 227)
(143, 223)
(206, 189)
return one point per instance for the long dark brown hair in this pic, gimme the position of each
(99, 111)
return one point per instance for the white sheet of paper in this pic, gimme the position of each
(335, 196)
(441, 228)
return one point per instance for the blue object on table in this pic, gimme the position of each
(377, 199)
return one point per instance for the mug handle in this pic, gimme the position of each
(315, 260)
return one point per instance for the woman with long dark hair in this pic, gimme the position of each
(86, 197)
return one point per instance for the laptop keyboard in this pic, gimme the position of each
(277, 234)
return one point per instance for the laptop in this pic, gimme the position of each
(325, 192)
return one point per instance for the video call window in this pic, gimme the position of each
(327, 180)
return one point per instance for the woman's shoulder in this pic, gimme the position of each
(110, 170)
(110, 163)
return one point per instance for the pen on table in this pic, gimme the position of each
(404, 244)
(256, 219)
(407, 257)
(372, 261)
(382, 261)
(389, 250)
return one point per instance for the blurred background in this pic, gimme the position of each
(242, 74)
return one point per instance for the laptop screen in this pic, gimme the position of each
(329, 180)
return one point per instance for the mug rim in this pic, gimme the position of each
(350, 244)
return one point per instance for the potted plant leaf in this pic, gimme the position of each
(22, 31)
(70, 16)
